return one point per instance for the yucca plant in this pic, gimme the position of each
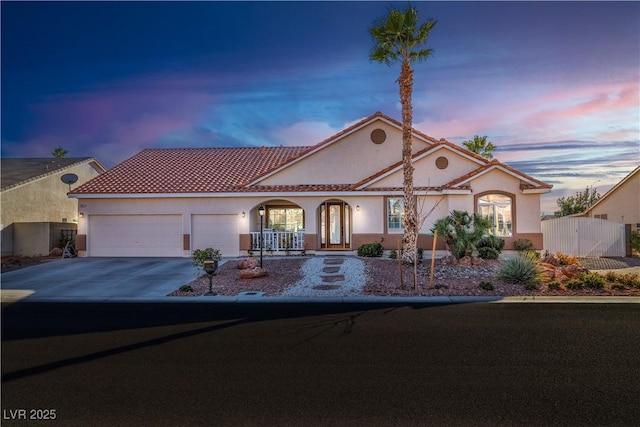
(462, 232)
(522, 269)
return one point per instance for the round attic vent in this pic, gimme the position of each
(442, 162)
(378, 136)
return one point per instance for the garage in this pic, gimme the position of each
(135, 235)
(216, 231)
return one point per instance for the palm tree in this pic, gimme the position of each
(481, 146)
(399, 38)
(60, 153)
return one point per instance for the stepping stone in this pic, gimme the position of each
(330, 270)
(336, 278)
(326, 287)
(333, 261)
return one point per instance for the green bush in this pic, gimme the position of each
(393, 254)
(618, 286)
(575, 284)
(554, 286)
(185, 288)
(522, 269)
(523, 245)
(487, 286)
(489, 247)
(371, 250)
(592, 280)
(199, 255)
(629, 279)
(635, 240)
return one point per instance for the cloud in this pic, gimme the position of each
(303, 133)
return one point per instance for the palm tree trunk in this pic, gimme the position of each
(410, 221)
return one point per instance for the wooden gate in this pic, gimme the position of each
(584, 237)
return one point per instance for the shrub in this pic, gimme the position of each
(185, 288)
(462, 232)
(393, 254)
(618, 286)
(631, 280)
(489, 247)
(592, 280)
(487, 286)
(199, 255)
(635, 240)
(554, 286)
(522, 245)
(610, 276)
(574, 284)
(370, 250)
(522, 269)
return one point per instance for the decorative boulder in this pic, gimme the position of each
(551, 259)
(465, 260)
(55, 252)
(251, 273)
(449, 260)
(477, 261)
(247, 263)
(548, 271)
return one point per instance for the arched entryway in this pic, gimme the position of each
(335, 225)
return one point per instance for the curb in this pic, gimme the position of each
(10, 296)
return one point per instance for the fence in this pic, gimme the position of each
(584, 237)
(278, 241)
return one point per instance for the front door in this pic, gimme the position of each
(335, 220)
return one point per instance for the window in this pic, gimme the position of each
(395, 212)
(497, 208)
(285, 219)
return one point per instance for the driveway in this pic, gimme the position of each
(97, 278)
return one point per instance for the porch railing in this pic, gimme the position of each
(278, 241)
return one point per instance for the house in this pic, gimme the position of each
(621, 203)
(345, 191)
(35, 206)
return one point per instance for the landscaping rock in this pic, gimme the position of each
(246, 263)
(477, 261)
(251, 273)
(551, 259)
(465, 260)
(55, 252)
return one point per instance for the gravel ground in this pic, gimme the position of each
(308, 277)
(313, 284)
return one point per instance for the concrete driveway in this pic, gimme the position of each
(98, 278)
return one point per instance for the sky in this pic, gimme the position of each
(554, 85)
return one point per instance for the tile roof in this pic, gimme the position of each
(16, 171)
(188, 170)
(239, 170)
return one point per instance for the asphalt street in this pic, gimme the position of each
(320, 364)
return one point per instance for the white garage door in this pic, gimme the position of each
(135, 235)
(216, 231)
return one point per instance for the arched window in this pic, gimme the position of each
(497, 207)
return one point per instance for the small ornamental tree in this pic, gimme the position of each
(578, 203)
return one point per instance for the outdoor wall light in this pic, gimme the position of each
(243, 214)
(358, 208)
(81, 214)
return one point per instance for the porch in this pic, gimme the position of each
(278, 241)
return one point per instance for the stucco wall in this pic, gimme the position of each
(348, 160)
(427, 174)
(41, 200)
(623, 204)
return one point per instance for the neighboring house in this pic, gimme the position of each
(336, 195)
(621, 203)
(35, 206)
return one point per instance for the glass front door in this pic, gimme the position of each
(335, 225)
